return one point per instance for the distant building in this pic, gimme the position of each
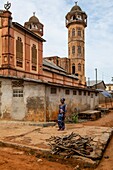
(109, 88)
(96, 85)
(102, 88)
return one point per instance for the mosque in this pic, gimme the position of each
(31, 85)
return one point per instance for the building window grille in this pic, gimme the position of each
(34, 58)
(18, 83)
(53, 90)
(17, 93)
(67, 92)
(19, 52)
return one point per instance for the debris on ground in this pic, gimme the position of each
(70, 145)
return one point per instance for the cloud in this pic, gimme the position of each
(99, 32)
(99, 38)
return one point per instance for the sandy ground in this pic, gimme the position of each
(12, 159)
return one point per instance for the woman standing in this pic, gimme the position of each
(61, 115)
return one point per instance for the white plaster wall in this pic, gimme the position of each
(37, 91)
(80, 102)
(0, 45)
(6, 97)
(42, 102)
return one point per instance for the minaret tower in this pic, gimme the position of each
(76, 21)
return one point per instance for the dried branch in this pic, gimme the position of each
(72, 144)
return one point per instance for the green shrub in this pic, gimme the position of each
(75, 118)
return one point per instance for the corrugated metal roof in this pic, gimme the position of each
(48, 63)
(52, 65)
(104, 93)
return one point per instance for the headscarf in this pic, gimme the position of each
(62, 99)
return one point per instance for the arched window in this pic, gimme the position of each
(79, 67)
(74, 17)
(30, 26)
(19, 52)
(73, 32)
(34, 57)
(73, 50)
(73, 68)
(79, 49)
(79, 32)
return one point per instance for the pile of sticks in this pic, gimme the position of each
(69, 145)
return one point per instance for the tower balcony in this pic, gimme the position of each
(76, 21)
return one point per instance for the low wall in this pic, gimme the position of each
(37, 101)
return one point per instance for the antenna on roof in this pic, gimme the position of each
(76, 3)
(34, 13)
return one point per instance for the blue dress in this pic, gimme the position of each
(61, 116)
(60, 120)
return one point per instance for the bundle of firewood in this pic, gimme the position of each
(69, 145)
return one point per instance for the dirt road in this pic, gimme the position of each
(107, 160)
(12, 159)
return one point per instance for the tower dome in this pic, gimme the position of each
(76, 15)
(33, 19)
(76, 8)
(34, 25)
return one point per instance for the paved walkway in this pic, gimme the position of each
(34, 135)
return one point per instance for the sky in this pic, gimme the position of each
(98, 34)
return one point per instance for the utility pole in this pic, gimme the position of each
(89, 81)
(96, 77)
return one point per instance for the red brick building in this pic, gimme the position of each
(21, 50)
